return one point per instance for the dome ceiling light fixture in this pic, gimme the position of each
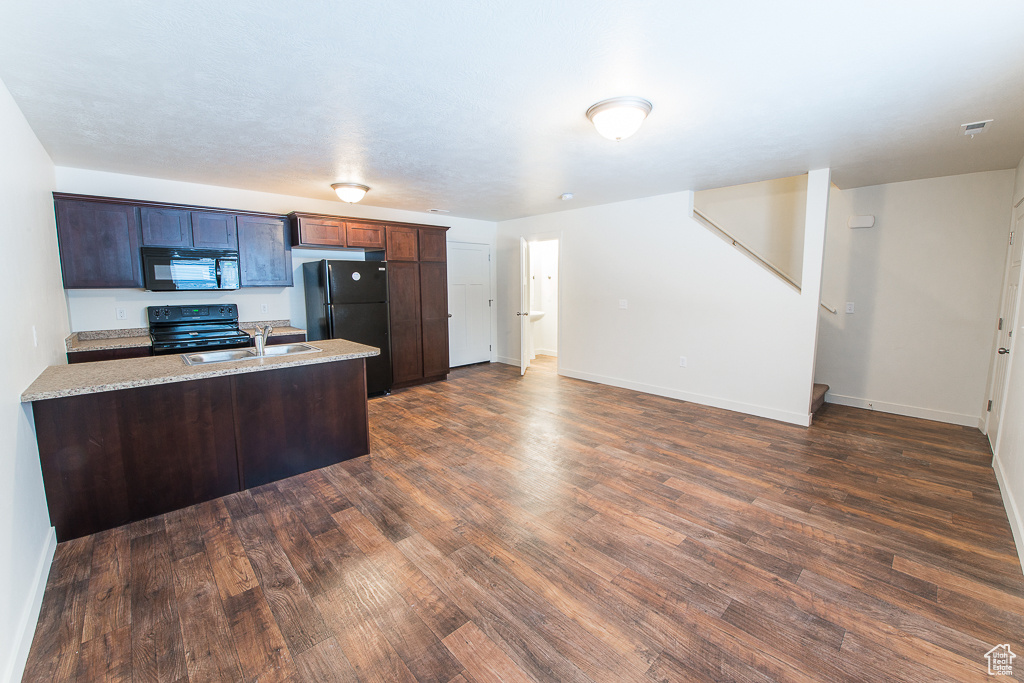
(350, 192)
(619, 117)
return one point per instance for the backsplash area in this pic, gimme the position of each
(96, 309)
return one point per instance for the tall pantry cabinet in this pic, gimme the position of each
(418, 291)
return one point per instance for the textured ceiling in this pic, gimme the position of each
(478, 107)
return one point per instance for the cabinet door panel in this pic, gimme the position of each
(432, 245)
(298, 419)
(401, 244)
(99, 244)
(365, 235)
(321, 232)
(404, 307)
(165, 227)
(264, 251)
(214, 231)
(434, 312)
(178, 444)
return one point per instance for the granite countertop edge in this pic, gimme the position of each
(63, 381)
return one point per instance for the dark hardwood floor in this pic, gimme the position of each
(548, 529)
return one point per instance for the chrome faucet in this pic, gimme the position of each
(261, 337)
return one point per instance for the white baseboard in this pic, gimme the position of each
(1012, 510)
(546, 352)
(801, 419)
(508, 361)
(26, 628)
(909, 411)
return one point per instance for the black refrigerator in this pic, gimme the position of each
(349, 300)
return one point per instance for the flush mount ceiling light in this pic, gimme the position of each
(619, 117)
(350, 192)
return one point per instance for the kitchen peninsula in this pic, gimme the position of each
(124, 440)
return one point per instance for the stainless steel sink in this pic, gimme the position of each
(204, 357)
(288, 349)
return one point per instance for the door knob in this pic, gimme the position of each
(1002, 350)
(449, 315)
(518, 313)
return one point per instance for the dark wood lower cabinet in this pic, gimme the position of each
(301, 420)
(115, 457)
(109, 354)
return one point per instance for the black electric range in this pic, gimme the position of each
(186, 329)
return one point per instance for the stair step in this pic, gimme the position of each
(818, 397)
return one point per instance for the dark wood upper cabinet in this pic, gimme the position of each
(314, 230)
(401, 244)
(264, 252)
(165, 227)
(366, 235)
(214, 231)
(434, 317)
(432, 245)
(99, 244)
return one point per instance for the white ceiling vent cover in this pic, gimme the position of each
(975, 128)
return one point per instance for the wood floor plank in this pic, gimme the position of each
(540, 529)
(158, 653)
(209, 651)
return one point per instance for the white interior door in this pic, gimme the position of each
(1006, 325)
(469, 301)
(524, 305)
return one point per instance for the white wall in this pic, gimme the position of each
(767, 217)
(36, 324)
(544, 295)
(1009, 451)
(748, 336)
(93, 309)
(925, 283)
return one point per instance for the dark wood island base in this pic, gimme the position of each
(115, 457)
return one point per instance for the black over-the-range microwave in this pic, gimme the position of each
(168, 269)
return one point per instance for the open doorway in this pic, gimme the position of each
(540, 324)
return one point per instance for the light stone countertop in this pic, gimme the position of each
(60, 381)
(103, 340)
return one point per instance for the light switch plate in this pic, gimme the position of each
(623, 303)
(849, 307)
(264, 308)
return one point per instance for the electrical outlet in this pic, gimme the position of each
(682, 361)
(264, 308)
(121, 312)
(623, 303)
(849, 307)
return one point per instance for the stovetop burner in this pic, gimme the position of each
(181, 329)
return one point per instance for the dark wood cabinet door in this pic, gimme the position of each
(109, 354)
(214, 231)
(366, 235)
(317, 231)
(299, 419)
(406, 335)
(401, 244)
(432, 245)
(434, 312)
(264, 252)
(165, 227)
(99, 244)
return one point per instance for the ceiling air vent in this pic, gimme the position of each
(975, 128)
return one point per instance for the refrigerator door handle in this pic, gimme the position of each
(325, 275)
(330, 322)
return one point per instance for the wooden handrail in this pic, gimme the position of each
(736, 243)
